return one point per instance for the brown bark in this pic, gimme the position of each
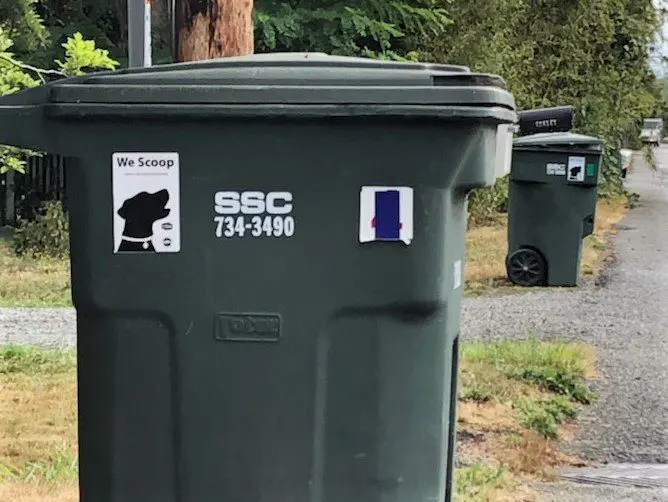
(209, 29)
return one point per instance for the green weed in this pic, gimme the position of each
(478, 482)
(32, 360)
(554, 366)
(544, 416)
(61, 466)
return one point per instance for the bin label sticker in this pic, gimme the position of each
(253, 214)
(458, 274)
(576, 169)
(555, 169)
(386, 214)
(146, 196)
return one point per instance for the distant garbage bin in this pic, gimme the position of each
(552, 197)
(267, 271)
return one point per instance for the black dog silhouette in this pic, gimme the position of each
(575, 171)
(140, 213)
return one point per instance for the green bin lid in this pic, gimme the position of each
(558, 139)
(306, 79)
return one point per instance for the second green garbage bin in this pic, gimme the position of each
(267, 271)
(551, 206)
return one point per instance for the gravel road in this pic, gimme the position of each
(626, 319)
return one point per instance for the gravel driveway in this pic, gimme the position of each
(626, 319)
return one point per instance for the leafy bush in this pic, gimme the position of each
(536, 418)
(372, 28)
(544, 416)
(47, 235)
(555, 380)
(487, 204)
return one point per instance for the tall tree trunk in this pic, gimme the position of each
(209, 29)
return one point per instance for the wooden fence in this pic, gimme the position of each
(21, 195)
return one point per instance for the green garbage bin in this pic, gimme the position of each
(551, 206)
(267, 271)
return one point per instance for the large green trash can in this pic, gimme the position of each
(267, 271)
(551, 206)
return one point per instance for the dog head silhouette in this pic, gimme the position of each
(140, 213)
(575, 171)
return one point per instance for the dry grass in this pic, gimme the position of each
(38, 417)
(597, 253)
(487, 247)
(28, 282)
(22, 492)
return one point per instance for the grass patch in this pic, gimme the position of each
(30, 361)
(480, 483)
(38, 417)
(553, 366)
(518, 400)
(487, 246)
(32, 282)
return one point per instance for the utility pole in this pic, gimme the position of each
(139, 33)
(207, 29)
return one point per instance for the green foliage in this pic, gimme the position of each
(80, 54)
(477, 482)
(47, 235)
(555, 366)
(62, 466)
(592, 55)
(21, 23)
(15, 76)
(372, 28)
(544, 416)
(486, 204)
(31, 360)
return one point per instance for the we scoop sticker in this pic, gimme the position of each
(146, 202)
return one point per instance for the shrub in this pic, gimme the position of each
(487, 204)
(545, 415)
(47, 235)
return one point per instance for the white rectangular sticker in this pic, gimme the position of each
(253, 214)
(555, 169)
(386, 214)
(458, 274)
(576, 169)
(147, 206)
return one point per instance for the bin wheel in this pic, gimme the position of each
(526, 267)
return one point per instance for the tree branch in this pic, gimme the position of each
(33, 69)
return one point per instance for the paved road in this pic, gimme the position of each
(626, 319)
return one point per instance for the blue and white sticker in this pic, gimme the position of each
(386, 214)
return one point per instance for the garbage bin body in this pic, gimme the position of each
(552, 200)
(267, 273)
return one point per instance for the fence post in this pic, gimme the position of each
(10, 213)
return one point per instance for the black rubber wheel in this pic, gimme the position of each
(526, 267)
